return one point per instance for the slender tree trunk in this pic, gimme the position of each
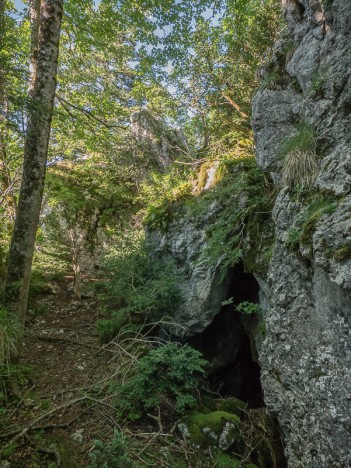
(41, 102)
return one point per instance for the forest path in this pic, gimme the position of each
(62, 410)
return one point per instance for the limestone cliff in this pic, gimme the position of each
(302, 125)
(157, 140)
(305, 359)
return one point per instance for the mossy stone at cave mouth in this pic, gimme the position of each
(215, 429)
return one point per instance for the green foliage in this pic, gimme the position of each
(303, 140)
(319, 206)
(293, 239)
(249, 308)
(168, 375)
(111, 455)
(318, 81)
(9, 330)
(300, 162)
(162, 194)
(136, 287)
(235, 218)
(243, 200)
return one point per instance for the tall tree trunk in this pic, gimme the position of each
(41, 102)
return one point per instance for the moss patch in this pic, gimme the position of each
(204, 430)
(229, 405)
(343, 253)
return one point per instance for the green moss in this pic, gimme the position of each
(343, 253)
(205, 429)
(229, 405)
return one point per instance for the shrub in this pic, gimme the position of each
(112, 455)
(168, 375)
(136, 288)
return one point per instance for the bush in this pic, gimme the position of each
(136, 288)
(112, 455)
(167, 375)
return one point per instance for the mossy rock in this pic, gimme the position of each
(229, 405)
(216, 429)
(343, 253)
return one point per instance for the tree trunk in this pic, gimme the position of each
(41, 102)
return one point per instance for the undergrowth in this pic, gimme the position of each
(9, 332)
(168, 377)
(136, 288)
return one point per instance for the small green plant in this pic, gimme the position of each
(320, 206)
(249, 308)
(304, 139)
(317, 82)
(112, 455)
(293, 239)
(166, 376)
(300, 163)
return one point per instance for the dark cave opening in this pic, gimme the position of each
(233, 368)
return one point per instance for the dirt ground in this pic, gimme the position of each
(63, 408)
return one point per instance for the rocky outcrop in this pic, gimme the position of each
(203, 289)
(158, 141)
(306, 356)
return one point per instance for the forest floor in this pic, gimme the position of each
(64, 407)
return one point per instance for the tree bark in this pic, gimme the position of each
(40, 109)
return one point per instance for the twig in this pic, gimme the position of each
(54, 453)
(64, 340)
(35, 421)
(157, 419)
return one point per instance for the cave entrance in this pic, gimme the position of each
(228, 344)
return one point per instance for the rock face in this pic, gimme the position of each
(306, 356)
(203, 289)
(160, 142)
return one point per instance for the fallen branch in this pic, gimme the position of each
(34, 424)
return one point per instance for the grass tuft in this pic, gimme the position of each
(300, 169)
